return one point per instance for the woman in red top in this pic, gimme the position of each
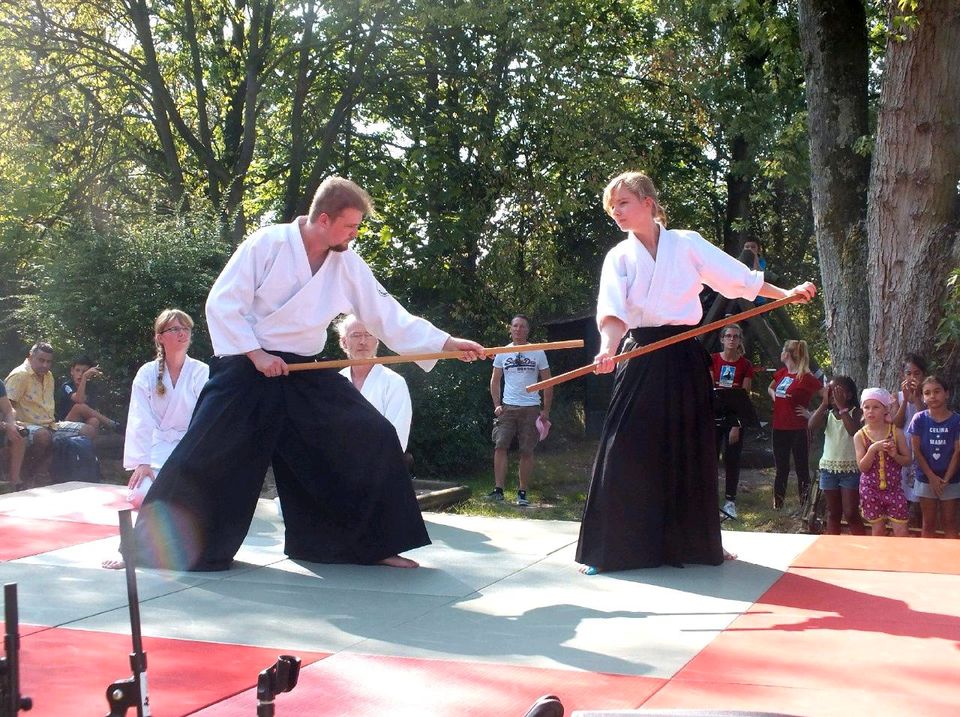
(791, 390)
(731, 369)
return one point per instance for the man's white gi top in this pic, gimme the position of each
(267, 298)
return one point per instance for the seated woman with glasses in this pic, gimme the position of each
(162, 399)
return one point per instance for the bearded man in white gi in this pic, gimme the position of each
(341, 479)
(385, 389)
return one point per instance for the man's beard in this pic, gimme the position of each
(340, 247)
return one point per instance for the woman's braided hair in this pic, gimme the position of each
(166, 317)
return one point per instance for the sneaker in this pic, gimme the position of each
(730, 508)
(496, 494)
(522, 498)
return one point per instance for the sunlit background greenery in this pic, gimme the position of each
(141, 141)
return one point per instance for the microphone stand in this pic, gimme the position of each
(10, 700)
(280, 677)
(132, 691)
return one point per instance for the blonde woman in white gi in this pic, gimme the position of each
(162, 400)
(652, 497)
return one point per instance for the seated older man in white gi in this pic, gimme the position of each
(385, 389)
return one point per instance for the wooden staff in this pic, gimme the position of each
(342, 363)
(650, 348)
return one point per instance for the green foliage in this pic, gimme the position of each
(452, 418)
(484, 131)
(96, 289)
(948, 332)
(904, 19)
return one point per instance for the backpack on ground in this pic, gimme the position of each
(74, 459)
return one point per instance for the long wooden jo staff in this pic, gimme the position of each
(650, 348)
(341, 363)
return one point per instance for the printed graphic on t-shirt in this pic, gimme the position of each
(938, 437)
(783, 387)
(519, 362)
(728, 375)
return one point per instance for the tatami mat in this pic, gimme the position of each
(906, 555)
(23, 537)
(67, 672)
(835, 642)
(496, 616)
(340, 687)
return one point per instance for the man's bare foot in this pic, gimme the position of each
(727, 555)
(398, 561)
(113, 564)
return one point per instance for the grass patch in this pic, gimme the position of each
(558, 491)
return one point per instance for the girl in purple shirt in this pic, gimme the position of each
(935, 436)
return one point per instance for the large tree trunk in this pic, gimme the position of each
(736, 219)
(914, 213)
(833, 35)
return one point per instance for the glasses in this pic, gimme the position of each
(177, 330)
(731, 336)
(357, 335)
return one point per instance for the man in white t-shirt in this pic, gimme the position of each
(517, 412)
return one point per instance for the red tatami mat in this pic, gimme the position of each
(823, 702)
(347, 685)
(78, 502)
(834, 642)
(67, 672)
(907, 555)
(31, 536)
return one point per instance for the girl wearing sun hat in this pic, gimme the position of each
(881, 453)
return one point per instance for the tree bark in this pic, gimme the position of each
(200, 92)
(259, 43)
(739, 188)
(298, 138)
(351, 93)
(833, 37)
(913, 220)
(140, 17)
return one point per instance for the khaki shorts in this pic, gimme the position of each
(70, 429)
(520, 421)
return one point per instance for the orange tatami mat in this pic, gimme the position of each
(349, 685)
(908, 555)
(67, 672)
(31, 536)
(835, 642)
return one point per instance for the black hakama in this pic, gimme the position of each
(345, 491)
(653, 495)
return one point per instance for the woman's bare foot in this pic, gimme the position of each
(727, 555)
(113, 564)
(398, 561)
